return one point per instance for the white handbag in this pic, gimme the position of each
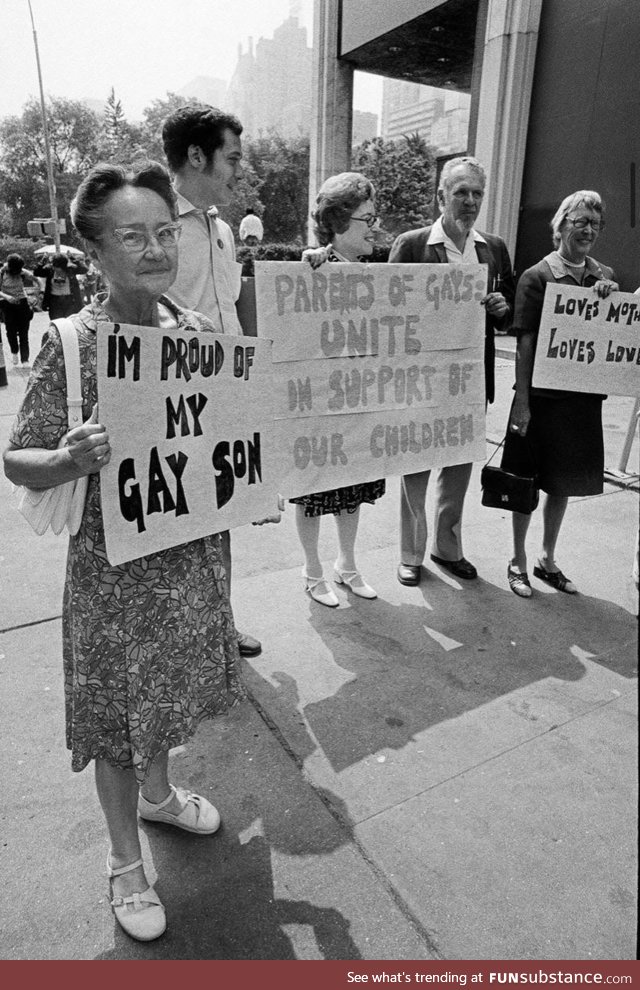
(62, 505)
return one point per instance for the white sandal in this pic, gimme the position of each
(354, 582)
(142, 914)
(320, 591)
(198, 815)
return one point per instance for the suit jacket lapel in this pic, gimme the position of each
(438, 253)
(483, 252)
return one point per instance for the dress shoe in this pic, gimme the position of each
(409, 574)
(248, 645)
(354, 582)
(320, 591)
(461, 568)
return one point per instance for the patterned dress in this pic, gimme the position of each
(345, 499)
(149, 646)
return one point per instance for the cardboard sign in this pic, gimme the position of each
(188, 416)
(378, 369)
(588, 344)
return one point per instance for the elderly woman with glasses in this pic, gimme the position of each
(149, 646)
(345, 226)
(556, 434)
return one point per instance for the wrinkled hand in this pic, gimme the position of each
(88, 445)
(316, 256)
(605, 286)
(495, 304)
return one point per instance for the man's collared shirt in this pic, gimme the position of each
(209, 277)
(466, 257)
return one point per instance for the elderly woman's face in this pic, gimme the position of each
(148, 270)
(579, 231)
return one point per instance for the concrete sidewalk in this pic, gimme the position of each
(448, 772)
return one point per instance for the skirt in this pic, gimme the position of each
(564, 444)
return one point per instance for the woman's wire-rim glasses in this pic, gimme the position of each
(370, 221)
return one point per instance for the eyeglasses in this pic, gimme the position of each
(370, 221)
(581, 223)
(167, 236)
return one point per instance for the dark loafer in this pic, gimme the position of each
(461, 568)
(409, 574)
(248, 645)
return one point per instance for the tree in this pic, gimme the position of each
(74, 133)
(121, 141)
(403, 173)
(282, 165)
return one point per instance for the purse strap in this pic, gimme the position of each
(71, 352)
(501, 444)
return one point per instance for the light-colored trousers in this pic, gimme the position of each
(451, 488)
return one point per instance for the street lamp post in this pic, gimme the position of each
(47, 149)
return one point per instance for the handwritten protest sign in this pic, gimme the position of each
(188, 416)
(378, 369)
(587, 344)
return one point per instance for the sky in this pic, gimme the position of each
(143, 48)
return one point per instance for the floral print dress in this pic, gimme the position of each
(149, 647)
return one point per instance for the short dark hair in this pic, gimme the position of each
(337, 198)
(87, 208)
(15, 264)
(60, 261)
(196, 123)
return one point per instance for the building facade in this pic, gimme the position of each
(553, 94)
(263, 93)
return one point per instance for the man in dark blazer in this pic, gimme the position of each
(452, 238)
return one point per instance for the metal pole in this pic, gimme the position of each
(628, 441)
(47, 149)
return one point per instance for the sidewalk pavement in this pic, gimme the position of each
(448, 772)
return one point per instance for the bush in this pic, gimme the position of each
(290, 252)
(23, 246)
(267, 252)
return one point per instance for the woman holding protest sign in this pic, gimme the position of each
(149, 646)
(556, 434)
(345, 226)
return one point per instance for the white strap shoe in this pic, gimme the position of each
(320, 591)
(197, 815)
(142, 914)
(355, 582)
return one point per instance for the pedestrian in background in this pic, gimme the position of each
(15, 279)
(62, 293)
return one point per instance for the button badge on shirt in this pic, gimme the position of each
(220, 244)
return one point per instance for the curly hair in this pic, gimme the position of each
(587, 198)
(337, 198)
(196, 123)
(88, 206)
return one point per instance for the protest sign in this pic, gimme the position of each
(378, 369)
(588, 344)
(188, 416)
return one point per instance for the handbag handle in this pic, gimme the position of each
(71, 352)
(501, 444)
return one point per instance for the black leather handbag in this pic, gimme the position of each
(502, 490)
